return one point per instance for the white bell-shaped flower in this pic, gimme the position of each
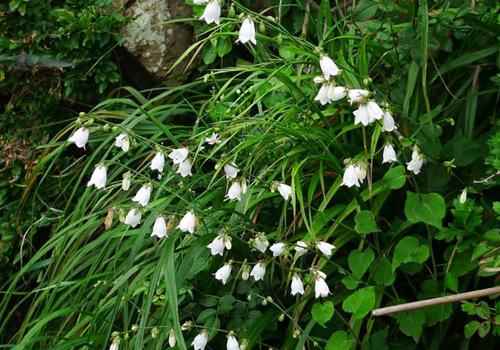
(80, 137)
(285, 191)
(122, 141)
(328, 67)
(329, 93)
(388, 123)
(322, 96)
(258, 271)
(212, 11)
(235, 191)
(416, 162)
(297, 286)
(178, 155)
(158, 162)
(217, 245)
(321, 289)
(232, 343)
(300, 248)
(159, 227)
(213, 139)
(367, 113)
(260, 243)
(389, 154)
(126, 181)
(115, 345)
(200, 341)
(98, 177)
(463, 196)
(277, 248)
(184, 168)
(247, 32)
(133, 218)
(223, 273)
(357, 95)
(188, 222)
(354, 175)
(172, 341)
(231, 171)
(325, 248)
(143, 195)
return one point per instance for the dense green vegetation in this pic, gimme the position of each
(116, 267)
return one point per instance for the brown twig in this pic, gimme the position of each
(436, 301)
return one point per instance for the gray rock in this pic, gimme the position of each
(154, 43)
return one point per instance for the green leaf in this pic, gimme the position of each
(395, 178)
(365, 222)
(471, 328)
(224, 46)
(411, 323)
(451, 282)
(360, 303)
(322, 312)
(409, 250)
(383, 274)
(484, 329)
(350, 282)
(340, 340)
(359, 262)
(429, 208)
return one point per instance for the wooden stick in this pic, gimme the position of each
(436, 301)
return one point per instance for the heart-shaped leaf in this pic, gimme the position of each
(322, 312)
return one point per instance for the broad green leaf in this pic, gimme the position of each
(471, 328)
(359, 262)
(395, 178)
(350, 282)
(383, 274)
(360, 303)
(409, 250)
(411, 323)
(451, 282)
(429, 208)
(365, 222)
(322, 312)
(340, 340)
(484, 329)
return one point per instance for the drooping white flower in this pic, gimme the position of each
(321, 289)
(98, 177)
(122, 141)
(213, 139)
(211, 14)
(200, 341)
(142, 196)
(389, 154)
(223, 273)
(247, 32)
(300, 248)
(235, 191)
(172, 341)
(231, 171)
(416, 162)
(325, 248)
(258, 271)
(322, 96)
(463, 196)
(328, 67)
(277, 248)
(367, 113)
(219, 243)
(115, 345)
(388, 123)
(158, 162)
(188, 222)
(297, 286)
(232, 343)
(178, 155)
(159, 227)
(285, 191)
(126, 181)
(80, 137)
(185, 168)
(133, 218)
(357, 95)
(260, 243)
(329, 93)
(354, 175)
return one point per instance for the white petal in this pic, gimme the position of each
(388, 123)
(350, 177)
(300, 248)
(297, 286)
(374, 110)
(336, 93)
(133, 218)
(322, 96)
(98, 177)
(185, 168)
(211, 14)
(188, 222)
(143, 195)
(231, 171)
(277, 248)
(321, 289)
(325, 248)
(463, 196)
(357, 95)
(234, 191)
(389, 154)
(232, 343)
(213, 139)
(258, 271)
(223, 273)
(416, 162)
(247, 32)
(178, 155)
(126, 181)
(159, 227)
(285, 191)
(217, 246)
(200, 341)
(362, 115)
(158, 162)
(328, 67)
(122, 141)
(80, 137)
